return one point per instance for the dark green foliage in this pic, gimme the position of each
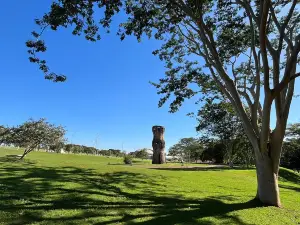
(290, 157)
(76, 149)
(82, 149)
(127, 159)
(214, 152)
(114, 152)
(219, 121)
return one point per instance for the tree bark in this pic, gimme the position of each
(267, 180)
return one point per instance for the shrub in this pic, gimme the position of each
(127, 159)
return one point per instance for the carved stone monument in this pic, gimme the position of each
(158, 144)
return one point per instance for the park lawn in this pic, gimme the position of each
(50, 188)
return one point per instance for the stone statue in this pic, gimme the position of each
(158, 144)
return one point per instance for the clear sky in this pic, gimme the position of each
(107, 94)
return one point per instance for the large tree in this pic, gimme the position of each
(246, 50)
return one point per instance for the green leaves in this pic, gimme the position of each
(186, 149)
(293, 131)
(219, 120)
(34, 133)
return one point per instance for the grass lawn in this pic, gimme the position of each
(49, 188)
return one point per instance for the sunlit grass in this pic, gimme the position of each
(50, 188)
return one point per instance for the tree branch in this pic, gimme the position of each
(288, 76)
(281, 29)
(264, 11)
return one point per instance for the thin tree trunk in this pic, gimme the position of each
(24, 154)
(26, 151)
(230, 153)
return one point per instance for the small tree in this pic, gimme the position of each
(187, 149)
(127, 159)
(34, 133)
(142, 154)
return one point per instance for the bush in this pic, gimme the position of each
(290, 157)
(127, 159)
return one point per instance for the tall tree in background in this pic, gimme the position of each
(293, 131)
(4, 133)
(187, 149)
(291, 148)
(142, 153)
(218, 120)
(256, 46)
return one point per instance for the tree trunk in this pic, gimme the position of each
(267, 181)
(26, 151)
(230, 154)
(24, 154)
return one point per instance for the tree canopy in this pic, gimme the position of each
(187, 149)
(35, 133)
(219, 121)
(237, 49)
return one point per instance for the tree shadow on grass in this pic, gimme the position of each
(15, 159)
(110, 198)
(209, 168)
(293, 188)
(289, 175)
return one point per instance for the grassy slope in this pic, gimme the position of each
(69, 189)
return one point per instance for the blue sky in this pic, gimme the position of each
(107, 94)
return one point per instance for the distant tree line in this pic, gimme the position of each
(82, 149)
(223, 140)
(76, 149)
(140, 153)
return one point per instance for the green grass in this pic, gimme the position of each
(49, 188)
